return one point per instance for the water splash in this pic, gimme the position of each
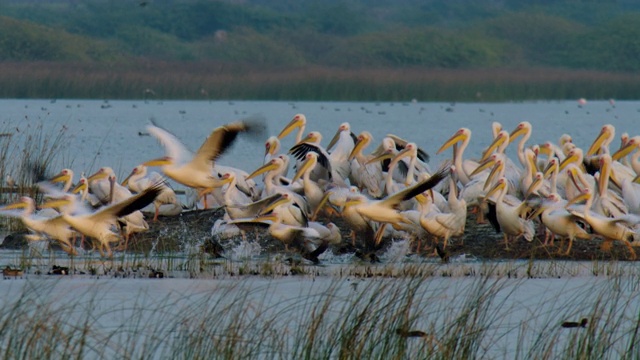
(246, 250)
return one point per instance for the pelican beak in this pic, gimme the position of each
(597, 143)
(360, 144)
(269, 208)
(60, 177)
(624, 151)
(334, 139)
(386, 155)
(422, 199)
(98, 176)
(262, 169)
(126, 180)
(17, 205)
(158, 162)
(308, 163)
(545, 149)
(551, 167)
(535, 185)
(499, 186)
(55, 204)
(485, 165)
(636, 179)
(499, 140)
(267, 217)
(78, 188)
(519, 130)
(582, 197)
(568, 160)
(494, 172)
(537, 212)
(295, 123)
(457, 137)
(572, 172)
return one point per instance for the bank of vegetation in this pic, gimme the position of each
(320, 50)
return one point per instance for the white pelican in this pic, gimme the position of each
(271, 150)
(299, 121)
(138, 180)
(312, 190)
(385, 210)
(305, 239)
(99, 225)
(523, 129)
(367, 176)
(344, 142)
(272, 169)
(198, 172)
(559, 221)
(54, 228)
(464, 167)
(65, 176)
(325, 172)
(104, 185)
(611, 229)
(510, 218)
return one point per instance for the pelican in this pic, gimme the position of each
(312, 190)
(138, 180)
(99, 225)
(611, 229)
(523, 129)
(510, 218)
(272, 169)
(559, 221)
(344, 143)
(326, 171)
(367, 176)
(385, 210)
(198, 172)
(299, 121)
(464, 167)
(65, 176)
(54, 228)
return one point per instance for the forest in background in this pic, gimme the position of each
(329, 50)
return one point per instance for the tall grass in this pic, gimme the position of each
(379, 318)
(211, 80)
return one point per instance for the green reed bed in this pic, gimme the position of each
(208, 80)
(319, 317)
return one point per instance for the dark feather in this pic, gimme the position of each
(385, 165)
(313, 255)
(300, 150)
(224, 136)
(140, 200)
(426, 184)
(493, 217)
(403, 168)
(353, 137)
(422, 155)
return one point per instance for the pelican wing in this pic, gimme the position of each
(402, 143)
(172, 145)
(410, 192)
(223, 137)
(127, 206)
(300, 150)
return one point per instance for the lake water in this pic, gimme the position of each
(104, 133)
(524, 312)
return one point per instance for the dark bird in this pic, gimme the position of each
(574, 324)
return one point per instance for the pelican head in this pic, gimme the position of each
(343, 127)
(574, 156)
(364, 139)
(62, 176)
(522, 129)
(604, 138)
(273, 164)
(81, 186)
(552, 167)
(630, 145)
(489, 162)
(463, 134)
(500, 185)
(310, 161)
(299, 121)
(499, 142)
(140, 169)
(271, 146)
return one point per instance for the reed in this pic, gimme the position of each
(210, 80)
(253, 317)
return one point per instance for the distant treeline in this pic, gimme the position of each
(285, 49)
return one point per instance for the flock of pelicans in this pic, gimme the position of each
(390, 191)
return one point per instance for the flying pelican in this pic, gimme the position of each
(99, 225)
(198, 172)
(611, 229)
(54, 228)
(138, 181)
(385, 210)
